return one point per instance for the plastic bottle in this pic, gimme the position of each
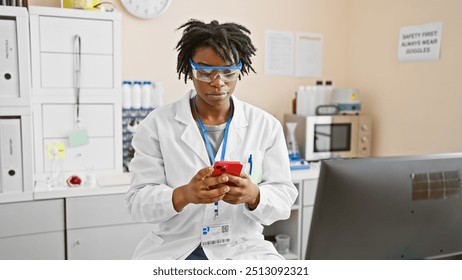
(158, 95)
(136, 95)
(126, 95)
(294, 104)
(319, 95)
(146, 93)
(328, 92)
(310, 92)
(301, 102)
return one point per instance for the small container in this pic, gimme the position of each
(90, 177)
(157, 99)
(282, 243)
(126, 95)
(146, 95)
(136, 95)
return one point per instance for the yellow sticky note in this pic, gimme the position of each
(60, 150)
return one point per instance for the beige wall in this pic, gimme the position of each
(414, 105)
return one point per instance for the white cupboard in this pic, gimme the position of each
(76, 86)
(16, 148)
(100, 227)
(298, 225)
(32, 230)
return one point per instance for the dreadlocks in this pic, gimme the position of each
(228, 40)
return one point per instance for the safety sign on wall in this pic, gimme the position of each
(420, 42)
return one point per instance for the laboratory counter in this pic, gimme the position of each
(86, 222)
(120, 183)
(105, 185)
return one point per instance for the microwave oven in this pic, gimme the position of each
(338, 136)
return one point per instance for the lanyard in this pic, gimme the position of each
(206, 136)
(209, 146)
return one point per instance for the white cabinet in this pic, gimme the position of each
(96, 118)
(14, 58)
(60, 38)
(32, 230)
(58, 51)
(298, 225)
(65, 42)
(100, 227)
(290, 227)
(309, 195)
(16, 154)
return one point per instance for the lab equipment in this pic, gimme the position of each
(157, 99)
(56, 177)
(74, 181)
(137, 103)
(347, 100)
(310, 98)
(283, 243)
(323, 137)
(136, 95)
(292, 145)
(90, 177)
(146, 94)
(126, 95)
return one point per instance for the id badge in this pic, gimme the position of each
(216, 234)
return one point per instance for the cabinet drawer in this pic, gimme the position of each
(59, 119)
(98, 153)
(21, 218)
(57, 71)
(40, 246)
(309, 191)
(91, 211)
(115, 242)
(57, 35)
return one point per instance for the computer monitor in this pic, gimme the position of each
(388, 208)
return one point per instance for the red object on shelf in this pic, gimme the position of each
(74, 181)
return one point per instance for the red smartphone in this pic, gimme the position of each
(227, 167)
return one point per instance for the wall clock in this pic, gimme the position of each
(146, 9)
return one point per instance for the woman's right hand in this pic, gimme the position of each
(202, 189)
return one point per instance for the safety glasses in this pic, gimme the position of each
(209, 73)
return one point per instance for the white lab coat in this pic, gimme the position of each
(169, 152)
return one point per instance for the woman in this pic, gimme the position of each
(196, 215)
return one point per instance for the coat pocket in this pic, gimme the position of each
(147, 246)
(254, 166)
